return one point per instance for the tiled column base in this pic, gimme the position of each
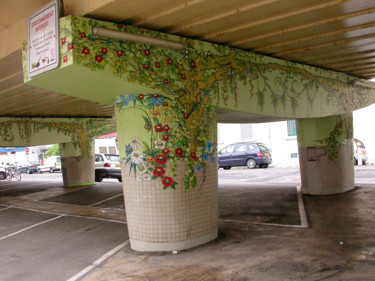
(164, 220)
(322, 176)
(78, 171)
(179, 245)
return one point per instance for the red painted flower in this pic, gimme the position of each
(141, 97)
(86, 51)
(161, 159)
(155, 95)
(194, 156)
(158, 128)
(167, 181)
(165, 103)
(70, 46)
(63, 41)
(157, 64)
(179, 152)
(83, 35)
(159, 171)
(146, 66)
(165, 138)
(165, 151)
(104, 51)
(183, 76)
(192, 64)
(65, 59)
(166, 81)
(166, 128)
(186, 116)
(119, 53)
(146, 52)
(170, 61)
(99, 58)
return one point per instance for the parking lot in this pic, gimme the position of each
(48, 232)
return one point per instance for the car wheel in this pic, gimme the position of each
(251, 164)
(98, 176)
(227, 168)
(120, 179)
(2, 176)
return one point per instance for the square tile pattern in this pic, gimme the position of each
(163, 216)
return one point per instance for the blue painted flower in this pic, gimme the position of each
(205, 156)
(208, 146)
(212, 159)
(124, 100)
(159, 101)
(128, 149)
(199, 168)
(131, 97)
(153, 100)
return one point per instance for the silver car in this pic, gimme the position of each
(107, 166)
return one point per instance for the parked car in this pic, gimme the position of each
(3, 175)
(250, 154)
(52, 164)
(107, 166)
(29, 168)
(359, 147)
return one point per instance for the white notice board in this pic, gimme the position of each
(43, 40)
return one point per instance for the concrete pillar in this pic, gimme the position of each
(169, 171)
(77, 169)
(326, 154)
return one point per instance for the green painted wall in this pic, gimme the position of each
(100, 70)
(41, 131)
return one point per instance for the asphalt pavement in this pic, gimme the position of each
(266, 232)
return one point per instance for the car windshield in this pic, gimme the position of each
(114, 158)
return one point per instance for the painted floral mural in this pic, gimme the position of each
(175, 137)
(81, 131)
(182, 92)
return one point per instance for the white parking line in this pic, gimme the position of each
(97, 203)
(98, 261)
(9, 207)
(302, 211)
(68, 215)
(29, 227)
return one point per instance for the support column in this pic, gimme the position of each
(77, 170)
(325, 148)
(169, 171)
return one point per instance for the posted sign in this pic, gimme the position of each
(43, 40)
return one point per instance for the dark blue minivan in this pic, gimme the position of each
(250, 154)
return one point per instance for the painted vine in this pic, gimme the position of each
(82, 132)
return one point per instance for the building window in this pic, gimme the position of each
(246, 132)
(291, 128)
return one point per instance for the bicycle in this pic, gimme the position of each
(12, 172)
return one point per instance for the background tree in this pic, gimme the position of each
(54, 150)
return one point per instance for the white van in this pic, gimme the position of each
(51, 164)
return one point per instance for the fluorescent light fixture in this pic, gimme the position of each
(124, 36)
(367, 84)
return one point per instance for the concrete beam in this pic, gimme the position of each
(13, 29)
